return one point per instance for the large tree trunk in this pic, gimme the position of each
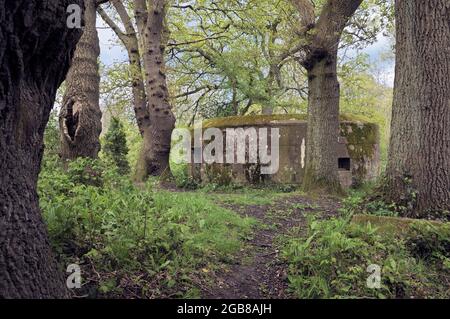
(323, 100)
(154, 158)
(418, 171)
(323, 124)
(80, 116)
(35, 51)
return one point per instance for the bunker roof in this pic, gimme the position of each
(248, 120)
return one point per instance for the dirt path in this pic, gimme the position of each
(259, 271)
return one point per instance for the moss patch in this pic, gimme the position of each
(219, 173)
(362, 139)
(237, 121)
(392, 225)
(362, 136)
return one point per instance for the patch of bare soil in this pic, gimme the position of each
(258, 271)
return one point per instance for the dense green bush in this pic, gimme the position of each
(181, 176)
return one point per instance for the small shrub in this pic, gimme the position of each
(357, 203)
(51, 136)
(115, 146)
(181, 176)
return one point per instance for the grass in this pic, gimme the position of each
(212, 226)
(332, 261)
(249, 196)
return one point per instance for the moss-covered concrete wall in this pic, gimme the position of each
(358, 147)
(363, 146)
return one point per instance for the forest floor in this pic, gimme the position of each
(161, 241)
(258, 270)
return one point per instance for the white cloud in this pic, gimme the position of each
(110, 49)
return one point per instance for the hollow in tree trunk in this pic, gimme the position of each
(80, 116)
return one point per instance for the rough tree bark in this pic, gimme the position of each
(151, 97)
(419, 152)
(154, 159)
(323, 125)
(35, 52)
(80, 116)
(130, 40)
(322, 38)
(273, 76)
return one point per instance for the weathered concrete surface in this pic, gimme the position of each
(357, 147)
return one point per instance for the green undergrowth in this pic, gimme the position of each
(338, 258)
(369, 199)
(131, 241)
(232, 193)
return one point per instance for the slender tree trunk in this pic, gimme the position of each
(234, 101)
(154, 158)
(35, 51)
(151, 98)
(80, 116)
(267, 107)
(323, 125)
(418, 170)
(139, 96)
(267, 110)
(130, 40)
